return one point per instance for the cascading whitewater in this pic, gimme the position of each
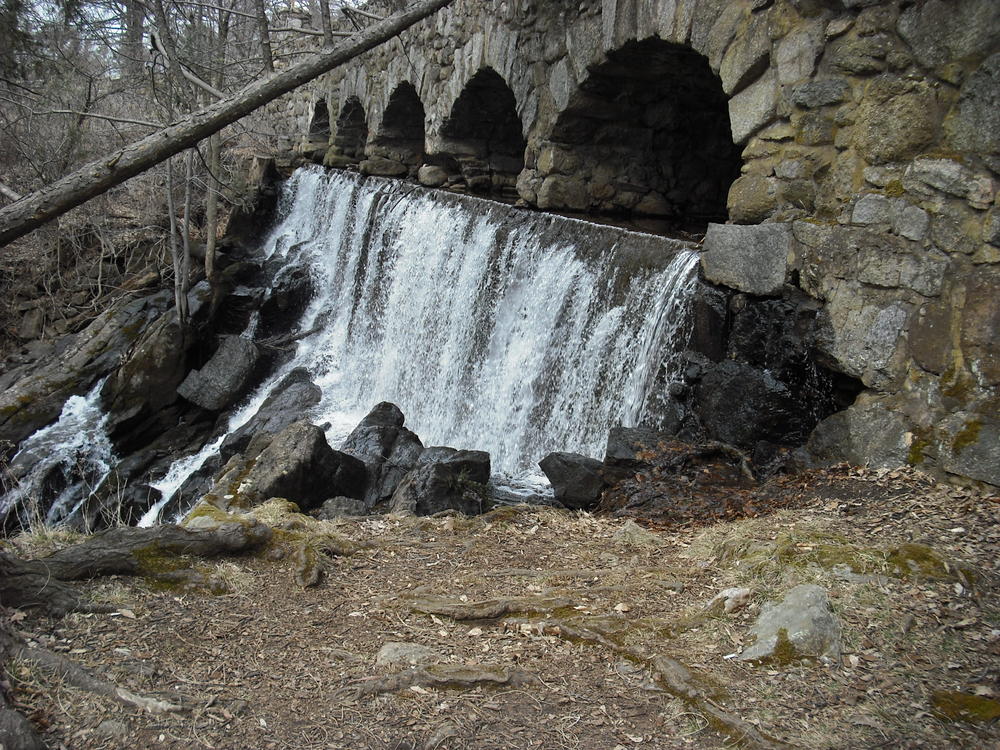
(491, 328)
(58, 467)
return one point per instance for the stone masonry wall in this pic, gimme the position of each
(869, 154)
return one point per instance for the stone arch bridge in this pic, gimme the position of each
(851, 146)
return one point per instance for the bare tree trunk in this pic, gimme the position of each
(324, 14)
(42, 206)
(265, 36)
(212, 204)
(134, 53)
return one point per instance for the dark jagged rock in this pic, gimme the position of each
(291, 291)
(224, 377)
(146, 383)
(445, 480)
(297, 464)
(79, 361)
(740, 404)
(626, 444)
(388, 449)
(577, 481)
(473, 465)
(289, 402)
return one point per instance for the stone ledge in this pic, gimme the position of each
(751, 258)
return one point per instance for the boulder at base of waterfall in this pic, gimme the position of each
(626, 446)
(388, 450)
(577, 481)
(447, 479)
(297, 464)
(802, 626)
(224, 377)
(341, 507)
(289, 402)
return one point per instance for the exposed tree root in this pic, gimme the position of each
(490, 609)
(453, 676)
(83, 679)
(673, 677)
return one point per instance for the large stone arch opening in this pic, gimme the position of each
(485, 135)
(647, 133)
(401, 135)
(352, 130)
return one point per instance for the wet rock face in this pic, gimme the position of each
(756, 374)
(577, 481)
(297, 464)
(388, 450)
(224, 378)
(289, 402)
(447, 479)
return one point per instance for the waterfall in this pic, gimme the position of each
(59, 466)
(492, 328)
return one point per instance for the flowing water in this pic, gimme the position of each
(492, 328)
(58, 467)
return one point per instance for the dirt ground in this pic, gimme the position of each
(911, 568)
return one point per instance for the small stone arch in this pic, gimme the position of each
(484, 133)
(352, 130)
(646, 133)
(401, 135)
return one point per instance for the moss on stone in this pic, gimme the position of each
(912, 560)
(922, 440)
(952, 705)
(968, 435)
(895, 189)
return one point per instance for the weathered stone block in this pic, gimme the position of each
(558, 191)
(981, 326)
(821, 93)
(974, 123)
(871, 209)
(752, 198)
(753, 259)
(896, 120)
(939, 32)
(753, 108)
(431, 176)
(972, 447)
(747, 57)
(379, 166)
(796, 54)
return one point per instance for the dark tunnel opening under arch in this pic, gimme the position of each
(647, 134)
(352, 130)
(401, 135)
(485, 135)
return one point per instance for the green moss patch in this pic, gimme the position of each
(952, 705)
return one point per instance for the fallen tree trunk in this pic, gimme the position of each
(33, 210)
(123, 551)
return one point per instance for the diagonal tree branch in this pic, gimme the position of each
(34, 210)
